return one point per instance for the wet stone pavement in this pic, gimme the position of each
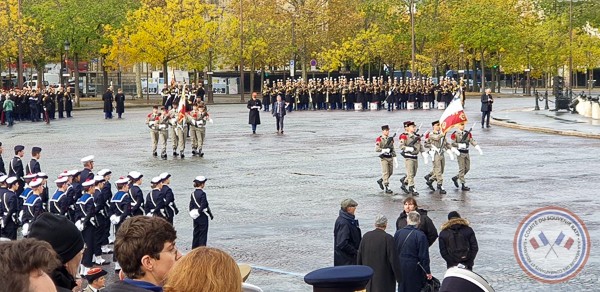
(275, 197)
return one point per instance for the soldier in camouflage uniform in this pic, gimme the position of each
(461, 140)
(385, 145)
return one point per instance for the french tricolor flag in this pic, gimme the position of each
(541, 238)
(560, 241)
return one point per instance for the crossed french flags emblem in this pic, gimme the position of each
(560, 241)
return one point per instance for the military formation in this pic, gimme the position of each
(360, 93)
(432, 146)
(89, 200)
(35, 105)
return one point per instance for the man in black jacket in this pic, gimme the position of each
(486, 107)
(346, 234)
(458, 244)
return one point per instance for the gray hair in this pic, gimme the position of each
(381, 221)
(413, 218)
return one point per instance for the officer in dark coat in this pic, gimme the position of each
(346, 234)
(378, 251)
(254, 105)
(68, 102)
(412, 248)
(199, 211)
(486, 107)
(120, 101)
(60, 100)
(15, 167)
(107, 98)
(457, 224)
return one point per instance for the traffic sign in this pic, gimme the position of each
(313, 62)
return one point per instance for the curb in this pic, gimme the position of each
(514, 125)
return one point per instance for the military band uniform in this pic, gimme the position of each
(385, 145)
(461, 141)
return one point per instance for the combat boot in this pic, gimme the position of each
(442, 191)
(175, 153)
(388, 191)
(455, 180)
(380, 182)
(465, 188)
(412, 192)
(164, 156)
(427, 177)
(200, 152)
(430, 184)
(403, 184)
(193, 152)
(181, 154)
(154, 154)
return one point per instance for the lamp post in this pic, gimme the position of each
(241, 52)
(461, 50)
(528, 91)
(412, 39)
(209, 76)
(67, 48)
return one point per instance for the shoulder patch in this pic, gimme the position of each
(403, 137)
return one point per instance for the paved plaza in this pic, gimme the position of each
(275, 197)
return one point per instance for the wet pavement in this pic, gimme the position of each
(275, 197)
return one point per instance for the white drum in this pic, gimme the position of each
(596, 110)
(358, 106)
(579, 107)
(441, 105)
(426, 106)
(588, 109)
(410, 105)
(374, 106)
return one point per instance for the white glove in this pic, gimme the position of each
(385, 150)
(455, 151)
(25, 230)
(395, 162)
(205, 211)
(194, 214)
(425, 156)
(79, 225)
(150, 214)
(114, 219)
(1, 222)
(432, 154)
(409, 149)
(450, 154)
(479, 149)
(210, 121)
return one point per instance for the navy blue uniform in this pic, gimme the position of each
(32, 208)
(33, 166)
(15, 168)
(59, 203)
(102, 221)
(198, 201)
(9, 210)
(155, 203)
(73, 194)
(171, 208)
(86, 213)
(120, 205)
(137, 200)
(106, 195)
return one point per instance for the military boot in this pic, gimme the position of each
(175, 153)
(412, 192)
(430, 184)
(403, 184)
(163, 156)
(200, 153)
(441, 191)
(380, 182)
(194, 152)
(465, 188)
(181, 154)
(427, 177)
(154, 154)
(388, 191)
(455, 180)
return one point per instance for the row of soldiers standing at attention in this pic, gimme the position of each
(35, 105)
(432, 147)
(359, 93)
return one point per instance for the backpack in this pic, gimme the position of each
(458, 246)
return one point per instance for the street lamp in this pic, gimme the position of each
(67, 48)
(210, 74)
(528, 92)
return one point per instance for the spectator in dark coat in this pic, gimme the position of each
(378, 251)
(457, 224)
(346, 234)
(107, 98)
(486, 107)
(120, 101)
(426, 225)
(412, 248)
(254, 105)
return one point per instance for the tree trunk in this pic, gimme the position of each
(76, 67)
(361, 70)
(482, 71)
(262, 77)
(138, 81)
(475, 88)
(40, 76)
(165, 73)
(104, 76)
(252, 68)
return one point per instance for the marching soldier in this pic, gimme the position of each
(88, 166)
(155, 200)
(15, 167)
(87, 223)
(34, 165)
(101, 217)
(105, 194)
(137, 196)
(32, 207)
(170, 207)
(10, 209)
(120, 208)
(436, 142)
(198, 118)
(385, 145)
(59, 203)
(461, 140)
(163, 130)
(410, 145)
(200, 212)
(153, 121)
(177, 123)
(74, 192)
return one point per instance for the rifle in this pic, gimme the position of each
(466, 135)
(418, 137)
(388, 144)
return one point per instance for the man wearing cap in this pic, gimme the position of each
(155, 200)
(346, 235)
(171, 208)
(2, 169)
(178, 121)
(461, 140)
(458, 244)
(32, 206)
(96, 279)
(88, 166)
(378, 251)
(15, 167)
(137, 196)
(67, 242)
(385, 145)
(436, 142)
(410, 145)
(152, 121)
(59, 203)
(163, 130)
(199, 211)
(10, 209)
(87, 223)
(34, 165)
(26, 189)
(74, 192)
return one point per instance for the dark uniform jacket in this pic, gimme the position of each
(254, 115)
(347, 238)
(155, 203)
(461, 225)
(198, 201)
(33, 166)
(120, 205)
(426, 225)
(120, 101)
(59, 203)
(2, 169)
(107, 98)
(137, 200)
(32, 208)
(171, 208)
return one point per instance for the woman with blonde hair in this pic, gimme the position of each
(204, 269)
